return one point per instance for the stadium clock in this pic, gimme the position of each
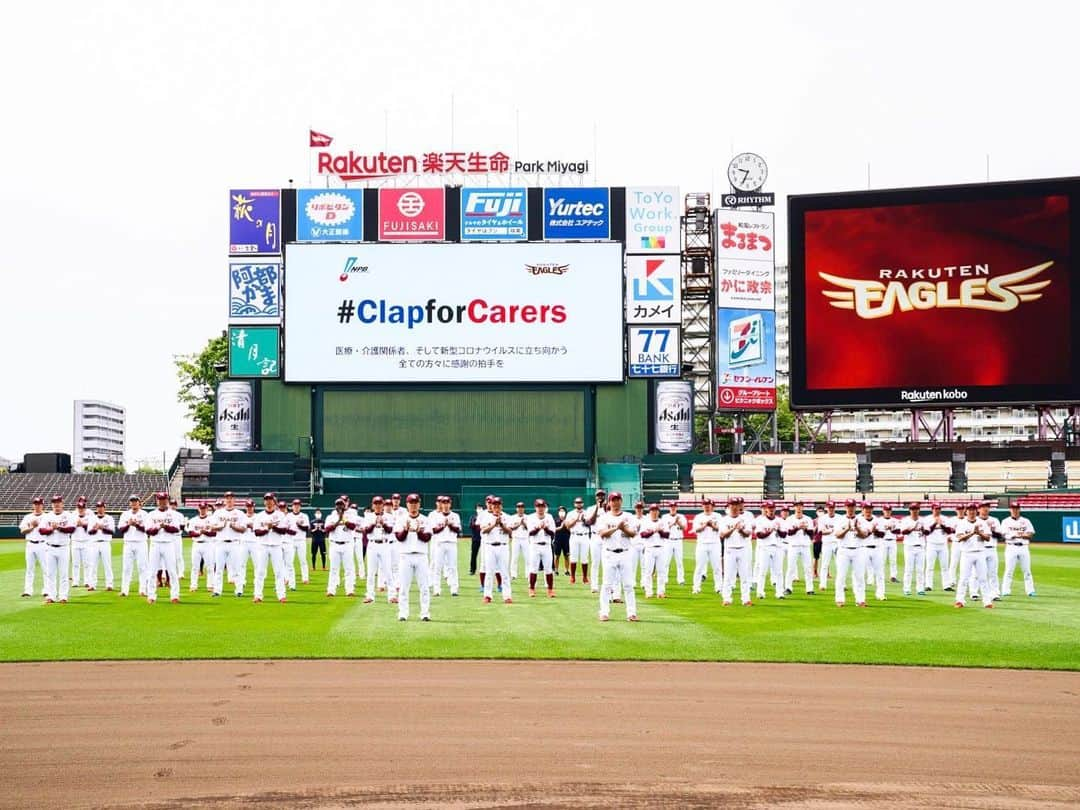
(747, 172)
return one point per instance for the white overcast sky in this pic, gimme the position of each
(125, 123)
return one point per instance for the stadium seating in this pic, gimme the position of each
(722, 480)
(1072, 474)
(1001, 476)
(1051, 500)
(18, 489)
(911, 479)
(816, 476)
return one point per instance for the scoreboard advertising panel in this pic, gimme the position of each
(454, 313)
(935, 297)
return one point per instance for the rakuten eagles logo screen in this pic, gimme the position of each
(547, 269)
(937, 297)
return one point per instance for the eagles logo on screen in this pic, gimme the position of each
(878, 299)
(547, 269)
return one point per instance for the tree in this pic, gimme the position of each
(146, 469)
(103, 468)
(199, 375)
(785, 419)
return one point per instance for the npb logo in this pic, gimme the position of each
(1070, 529)
(351, 267)
(493, 213)
(745, 346)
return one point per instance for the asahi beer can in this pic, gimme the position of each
(233, 428)
(674, 425)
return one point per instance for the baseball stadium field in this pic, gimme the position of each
(1022, 632)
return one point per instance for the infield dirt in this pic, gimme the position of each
(480, 734)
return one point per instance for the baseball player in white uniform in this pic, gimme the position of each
(227, 522)
(413, 533)
(911, 529)
(56, 527)
(825, 523)
(767, 528)
(397, 511)
(970, 534)
(1018, 532)
(495, 532)
(657, 559)
(708, 549)
(596, 545)
(990, 549)
(541, 528)
(248, 546)
(579, 540)
(445, 530)
(202, 548)
(519, 540)
(132, 527)
(269, 528)
(176, 518)
(301, 526)
(850, 554)
(30, 527)
(102, 528)
(870, 529)
(936, 529)
(799, 528)
(736, 530)
(161, 528)
(81, 544)
(637, 545)
(888, 524)
(288, 550)
(352, 515)
(955, 550)
(617, 533)
(379, 528)
(675, 525)
(339, 533)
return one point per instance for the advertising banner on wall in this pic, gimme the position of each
(577, 213)
(255, 291)
(254, 221)
(494, 214)
(499, 312)
(673, 425)
(745, 360)
(955, 295)
(745, 260)
(254, 351)
(233, 423)
(745, 284)
(653, 289)
(652, 219)
(412, 214)
(324, 215)
(653, 351)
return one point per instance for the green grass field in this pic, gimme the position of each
(1039, 633)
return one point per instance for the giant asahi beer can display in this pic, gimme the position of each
(233, 429)
(674, 421)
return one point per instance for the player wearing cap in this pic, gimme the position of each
(936, 528)
(799, 528)
(910, 528)
(378, 527)
(81, 544)
(708, 550)
(888, 524)
(247, 546)
(637, 544)
(397, 511)
(970, 534)
(675, 525)
(56, 528)
(1017, 532)
(339, 533)
(579, 540)
(228, 548)
(657, 557)
(269, 527)
(300, 525)
(176, 518)
(413, 533)
(30, 527)
(495, 531)
(288, 550)
(990, 541)
(736, 531)
(873, 548)
(519, 539)
(596, 545)
(132, 527)
(354, 516)
(826, 542)
(541, 528)
(767, 529)
(162, 529)
(202, 554)
(850, 531)
(445, 530)
(955, 547)
(616, 532)
(102, 528)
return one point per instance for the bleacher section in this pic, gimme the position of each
(1001, 476)
(911, 480)
(722, 480)
(18, 489)
(817, 476)
(1072, 474)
